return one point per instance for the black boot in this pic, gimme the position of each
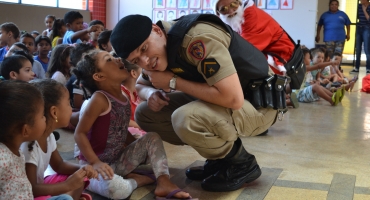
(241, 168)
(202, 172)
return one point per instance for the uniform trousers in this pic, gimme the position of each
(210, 129)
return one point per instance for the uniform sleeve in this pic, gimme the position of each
(30, 156)
(206, 47)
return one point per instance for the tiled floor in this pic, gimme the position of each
(317, 152)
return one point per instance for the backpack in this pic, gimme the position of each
(366, 84)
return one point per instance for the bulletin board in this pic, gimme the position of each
(171, 9)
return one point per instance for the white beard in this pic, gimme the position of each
(236, 21)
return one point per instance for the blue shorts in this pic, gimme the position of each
(306, 95)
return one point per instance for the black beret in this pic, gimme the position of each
(129, 33)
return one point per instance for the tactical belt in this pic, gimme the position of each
(268, 93)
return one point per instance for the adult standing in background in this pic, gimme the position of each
(334, 21)
(362, 35)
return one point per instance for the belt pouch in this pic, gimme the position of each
(279, 92)
(255, 95)
(267, 92)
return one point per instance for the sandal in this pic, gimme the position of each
(336, 96)
(170, 196)
(294, 100)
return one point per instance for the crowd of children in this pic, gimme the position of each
(97, 101)
(36, 70)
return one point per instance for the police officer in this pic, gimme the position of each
(196, 70)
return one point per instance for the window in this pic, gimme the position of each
(73, 4)
(40, 2)
(10, 1)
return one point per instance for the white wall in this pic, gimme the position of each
(117, 9)
(300, 22)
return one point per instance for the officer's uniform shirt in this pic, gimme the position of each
(206, 46)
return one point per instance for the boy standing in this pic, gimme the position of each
(74, 23)
(9, 33)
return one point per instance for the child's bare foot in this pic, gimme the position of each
(141, 180)
(165, 187)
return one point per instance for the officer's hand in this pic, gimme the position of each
(160, 80)
(158, 100)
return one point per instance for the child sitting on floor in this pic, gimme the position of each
(313, 91)
(70, 178)
(23, 123)
(104, 140)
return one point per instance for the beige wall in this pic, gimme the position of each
(31, 18)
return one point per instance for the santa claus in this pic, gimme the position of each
(258, 28)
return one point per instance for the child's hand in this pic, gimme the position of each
(325, 81)
(90, 171)
(104, 170)
(334, 63)
(93, 28)
(76, 180)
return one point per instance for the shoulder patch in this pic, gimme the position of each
(197, 49)
(210, 67)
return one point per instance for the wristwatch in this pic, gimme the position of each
(173, 82)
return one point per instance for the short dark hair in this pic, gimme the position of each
(12, 63)
(76, 53)
(18, 100)
(336, 54)
(35, 32)
(71, 16)
(10, 26)
(317, 50)
(28, 36)
(25, 54)
(21, 45)
(40, 38)
(332, 1)
(306, 51)
(104, 38)
(96, 22)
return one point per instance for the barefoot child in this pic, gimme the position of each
(104, 140)
(70, 178)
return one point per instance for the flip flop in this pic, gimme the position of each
(149, 174)
(337, 94)
(294, 100)
(170, 196)
(342, 95)
(86, 196)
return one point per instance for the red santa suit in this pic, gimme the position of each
(261, 30)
